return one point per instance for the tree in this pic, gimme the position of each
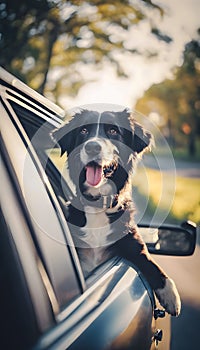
(42, 35)
(189, 98)
(178, 100)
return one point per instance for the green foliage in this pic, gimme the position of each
(42, 36)
(177, 101)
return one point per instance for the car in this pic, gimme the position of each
(45, 301)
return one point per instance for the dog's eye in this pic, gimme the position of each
(113, 131)
(84, 131)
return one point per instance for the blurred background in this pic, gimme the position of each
(140, 54)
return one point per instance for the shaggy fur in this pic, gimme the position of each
(103, 149)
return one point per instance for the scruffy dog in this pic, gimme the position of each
(102, 150)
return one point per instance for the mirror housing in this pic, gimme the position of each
(170, 239)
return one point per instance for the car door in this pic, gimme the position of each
(114, 307)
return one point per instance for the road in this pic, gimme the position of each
(182, 168)
(185, 330)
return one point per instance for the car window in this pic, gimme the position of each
(51, 233)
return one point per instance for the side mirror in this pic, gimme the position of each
(170, 239)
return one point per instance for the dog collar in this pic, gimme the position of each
(104, 202)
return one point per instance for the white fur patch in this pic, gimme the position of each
(96, 234)
(105, 188)
(169, 298)
(97, 227)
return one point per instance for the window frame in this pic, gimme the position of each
(23, 137)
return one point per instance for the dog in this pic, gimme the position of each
(103, 149)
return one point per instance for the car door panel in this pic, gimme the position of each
(113, 313)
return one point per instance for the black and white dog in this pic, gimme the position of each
(103, 148)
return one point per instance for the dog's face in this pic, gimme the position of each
(101, 148)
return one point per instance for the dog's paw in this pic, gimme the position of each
(169, 298)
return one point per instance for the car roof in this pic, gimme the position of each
(21, 90)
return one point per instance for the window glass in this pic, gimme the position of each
(57, 249)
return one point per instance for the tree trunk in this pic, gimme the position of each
(52, 36)
(192, 144)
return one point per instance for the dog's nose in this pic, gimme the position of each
(92, 148)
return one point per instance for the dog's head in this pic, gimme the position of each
(102, 149)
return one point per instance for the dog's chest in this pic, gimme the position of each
(94, 239)
(97, 228)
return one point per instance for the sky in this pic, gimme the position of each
(181, 22)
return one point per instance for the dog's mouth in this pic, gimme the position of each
(95, 172)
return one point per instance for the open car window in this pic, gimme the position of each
(39, 132)
(52, 236)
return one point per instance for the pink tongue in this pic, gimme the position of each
(93, 175)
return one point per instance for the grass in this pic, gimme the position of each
(54, 155)
(180, 196)
(187, 199)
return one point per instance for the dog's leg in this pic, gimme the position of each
(132, 248)
(169, 297)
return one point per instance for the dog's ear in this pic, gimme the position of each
(142, 139)
(63, 137)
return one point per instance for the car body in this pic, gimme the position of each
(46, 303)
